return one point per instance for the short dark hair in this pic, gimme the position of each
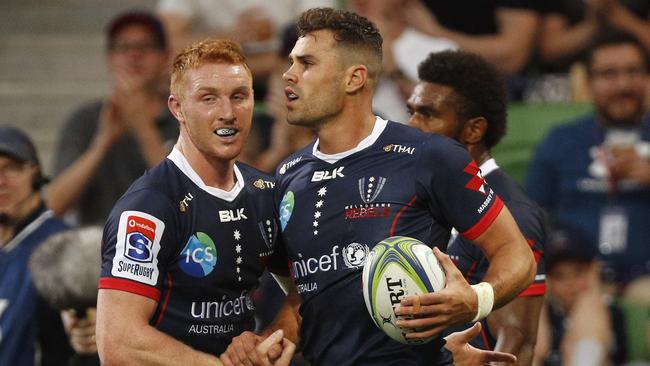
(610, 37)
(478, 86)
(142, 18)
(350, 30)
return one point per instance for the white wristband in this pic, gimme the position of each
(485, 294)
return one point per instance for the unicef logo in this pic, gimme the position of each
(354, 255)
(286, 209)
(199, 256)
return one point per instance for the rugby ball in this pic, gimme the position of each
(398, 266)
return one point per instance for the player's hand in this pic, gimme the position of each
(81, 331)
(456, 304)
(252, 350)
(467, 355)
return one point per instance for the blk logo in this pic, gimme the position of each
(232, 215)
(321, 175)
(476, 183)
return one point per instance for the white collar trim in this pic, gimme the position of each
(380, 125)
(181, 162)
(488, 166)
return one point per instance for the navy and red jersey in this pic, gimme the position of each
(473, 263)
(334, 208)
(196, 250)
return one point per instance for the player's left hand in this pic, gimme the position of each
(467, 355)
(456, 304)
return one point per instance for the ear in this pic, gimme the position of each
(356, 76)
(474, 130)
(174, 105)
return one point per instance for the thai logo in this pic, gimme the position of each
(199, 256)
(286, 209)
(354, 255)
(370, 189)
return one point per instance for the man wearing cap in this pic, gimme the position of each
(107, 144)
(25, 223)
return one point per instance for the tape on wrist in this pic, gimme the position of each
(485, 294)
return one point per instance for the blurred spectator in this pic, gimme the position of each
(107, 144)
(404, 47)
(255, 24)
(567, 29)
(579, 325)
(25, 319)
(501, 31)
(594, 173)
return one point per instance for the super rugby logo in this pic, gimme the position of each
(140, 234)
(199, 256)
(137, 247)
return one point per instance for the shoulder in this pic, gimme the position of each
(255, 180)
(155, 189)
(294, 161)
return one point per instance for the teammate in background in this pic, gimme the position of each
(186, 244)
(461, 96)
(363, 180)
(27, 323)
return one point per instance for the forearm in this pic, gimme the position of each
(509, 49)
(150, 142)
(558, 42)
(508, 274)
(515, 326)
(66, 189)
(148, 346)
(288, 319)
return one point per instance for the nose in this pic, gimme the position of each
(289, 75)
(226, 113)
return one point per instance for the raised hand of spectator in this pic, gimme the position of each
(135, 106)
(81, 331)
(628, 164)
(110, 127)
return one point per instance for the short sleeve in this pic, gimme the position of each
(138, 244)
(455, 186)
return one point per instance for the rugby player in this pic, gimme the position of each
(185, 245)
(461, 96)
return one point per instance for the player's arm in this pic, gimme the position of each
(124, 336)
(515, 327)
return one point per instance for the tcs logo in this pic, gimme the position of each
(199, 256)
(140, 234)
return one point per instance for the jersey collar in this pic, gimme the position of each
(380, 125)
(181, 162)
(488, 166)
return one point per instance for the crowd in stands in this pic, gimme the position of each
(590, 175)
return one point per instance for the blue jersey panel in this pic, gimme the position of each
(199, 256)
(331, 213)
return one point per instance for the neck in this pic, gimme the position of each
(479, 153)
(213, 172)
(23, 210)
(346, 130)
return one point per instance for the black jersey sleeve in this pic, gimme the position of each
(138, 244)
(455, 189)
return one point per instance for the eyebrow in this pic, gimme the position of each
(213, 90)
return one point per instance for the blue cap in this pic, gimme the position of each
(16, 144)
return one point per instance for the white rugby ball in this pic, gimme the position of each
(398, 266)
